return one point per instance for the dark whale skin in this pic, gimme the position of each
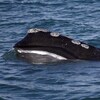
(58, 44)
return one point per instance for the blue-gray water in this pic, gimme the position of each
(71, 80)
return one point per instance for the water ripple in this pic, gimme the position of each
(71, 80)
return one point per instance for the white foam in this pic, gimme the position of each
(42, 53)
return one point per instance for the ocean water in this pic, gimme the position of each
(68, 80)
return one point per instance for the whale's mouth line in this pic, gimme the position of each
(41, 52)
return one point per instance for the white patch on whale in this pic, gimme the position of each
(76, 42)
(42, 53)
(85, 46)
(35, 30)
(54, 34)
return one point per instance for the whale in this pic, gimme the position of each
(41, 45)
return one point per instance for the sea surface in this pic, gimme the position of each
(68, 80)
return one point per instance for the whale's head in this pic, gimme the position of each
(40, 45)
(43, 45)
